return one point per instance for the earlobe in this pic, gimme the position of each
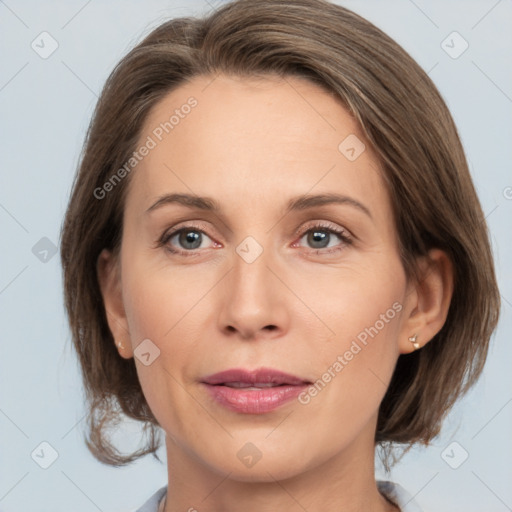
(432, 297)
(109, 280)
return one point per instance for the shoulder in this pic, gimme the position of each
(151, 505)
(398, 495)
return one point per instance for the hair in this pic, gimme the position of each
(402, 116)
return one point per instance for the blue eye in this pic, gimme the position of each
(192, 237)
(321, 239)
(188, 239)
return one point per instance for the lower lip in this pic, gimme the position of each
(254, 401)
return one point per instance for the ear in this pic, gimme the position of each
(109, 278)
(428, 300)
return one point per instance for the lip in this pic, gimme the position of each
(253, 391)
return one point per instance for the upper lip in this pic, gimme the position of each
(253, 377)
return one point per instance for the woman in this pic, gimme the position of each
(274, 252)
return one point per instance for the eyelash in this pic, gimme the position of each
(320, 226)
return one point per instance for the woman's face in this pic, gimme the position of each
(316, 291)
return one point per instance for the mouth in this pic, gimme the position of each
(247, 385)
(262, 377)
(253, 391)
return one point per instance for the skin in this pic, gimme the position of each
(252, 145)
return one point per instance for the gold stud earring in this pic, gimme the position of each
(415, 344)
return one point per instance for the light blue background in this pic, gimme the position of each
(45, 108)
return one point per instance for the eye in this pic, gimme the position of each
(184, 241)
(321, 238)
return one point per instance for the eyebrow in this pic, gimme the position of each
(302, 202)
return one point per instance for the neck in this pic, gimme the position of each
(344, 482)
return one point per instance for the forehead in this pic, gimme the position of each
(235, 136)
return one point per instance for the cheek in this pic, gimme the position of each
(351, 381)
(354, 365)
(160, 307)
(361, 302)
(158, 298)
(170, 306)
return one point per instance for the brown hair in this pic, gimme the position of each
(402, 116)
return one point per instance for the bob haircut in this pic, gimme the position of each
(404, 119)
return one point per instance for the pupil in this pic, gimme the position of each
(319, 236)
(190, 237)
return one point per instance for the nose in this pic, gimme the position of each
(253, 305)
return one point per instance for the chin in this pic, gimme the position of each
(261, 472)
(270, 462)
